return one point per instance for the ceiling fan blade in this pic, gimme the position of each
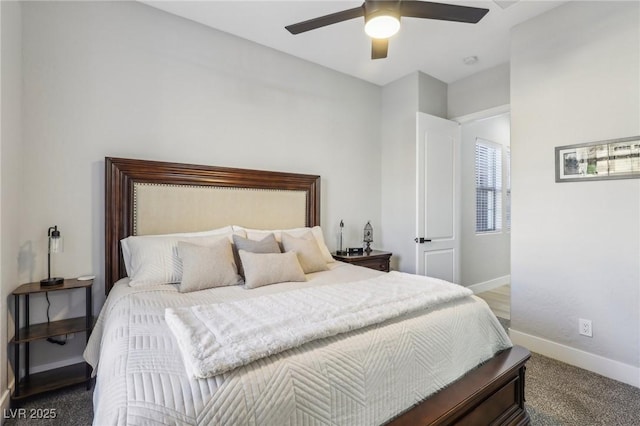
(379, 48)
(441, 11)
(323, 21)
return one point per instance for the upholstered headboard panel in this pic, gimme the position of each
(149, 197)
(162, 208)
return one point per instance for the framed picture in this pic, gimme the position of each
(612, 159)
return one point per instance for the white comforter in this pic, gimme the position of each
(220, 337)
(364, 377)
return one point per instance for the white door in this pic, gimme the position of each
(438, 198)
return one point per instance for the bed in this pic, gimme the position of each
(450, 365)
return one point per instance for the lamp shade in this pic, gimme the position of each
(55, 241)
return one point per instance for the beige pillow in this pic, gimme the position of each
(155, 260)
(258, 234)
(207, 267)
(270, 268)
(309, 254)
(266, 245)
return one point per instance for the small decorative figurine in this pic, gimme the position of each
(368, 236)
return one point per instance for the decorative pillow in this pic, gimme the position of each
(227, 231)
(270, 268)
(266, 245)
(306, 247)
(257, 234)
(154, 260)
(207, 267)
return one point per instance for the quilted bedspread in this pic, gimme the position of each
(220, 337)
(363, 377)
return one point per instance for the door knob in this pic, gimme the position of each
(422, 240)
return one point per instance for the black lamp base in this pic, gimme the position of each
(50, 282)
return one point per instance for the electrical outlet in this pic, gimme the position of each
(584, 327)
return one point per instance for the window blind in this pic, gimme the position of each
(488, 186)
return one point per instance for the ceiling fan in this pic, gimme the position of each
(382, 19)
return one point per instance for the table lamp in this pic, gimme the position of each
(55, 246)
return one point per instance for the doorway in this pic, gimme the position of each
(485, 261)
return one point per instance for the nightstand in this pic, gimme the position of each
(376, 259)
(33, 384)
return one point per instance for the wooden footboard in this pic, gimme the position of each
(492, 394)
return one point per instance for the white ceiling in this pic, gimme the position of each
(434, 47)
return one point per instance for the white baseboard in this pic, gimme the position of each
(490, 285)
(598, 364)
(5, 401)
(50, 366)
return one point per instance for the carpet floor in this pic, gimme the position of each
(73, 407)
(557, 394)
(560, 394)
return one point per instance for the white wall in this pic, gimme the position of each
(10, 171)
(401, 100)
(432, 95)
(484, 257)
(478, 92)
(124, 79)
(576, 246)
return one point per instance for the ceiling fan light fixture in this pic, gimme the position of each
(382, 26)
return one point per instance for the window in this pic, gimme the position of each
(488, 186)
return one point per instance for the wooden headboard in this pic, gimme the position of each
(198, 198)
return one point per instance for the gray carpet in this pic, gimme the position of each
(560, 394)
(73, 407)
(557, 395)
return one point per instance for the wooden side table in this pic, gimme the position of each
(33, 384)
(376, 259)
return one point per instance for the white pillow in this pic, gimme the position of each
(207, 267)
(270, 268)
(307, 250)
(155, 260)
(227, 231)
(258, 234)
